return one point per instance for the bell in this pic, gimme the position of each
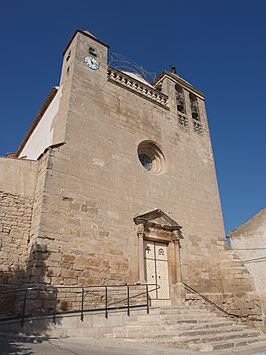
(195, 114)
(181, 109)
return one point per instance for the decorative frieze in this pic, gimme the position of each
(198, 127)
(137, 86)
(183, 121)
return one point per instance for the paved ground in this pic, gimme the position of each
(83, 346)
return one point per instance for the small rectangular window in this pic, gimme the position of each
(93, 51)
(68, 56)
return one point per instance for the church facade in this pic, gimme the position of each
(115, 183)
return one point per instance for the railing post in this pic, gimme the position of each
(147, 299)
(54, 316)
(82, 304)
(128, 306)
(106, 303)
(24, 308)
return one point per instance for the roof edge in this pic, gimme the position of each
(85, 34)
(237, 231)
(178, 79)
(37, 119)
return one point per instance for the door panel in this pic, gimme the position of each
(156, 268)
(149, 249)
(162, 279)
(161, 251)
(150, 276)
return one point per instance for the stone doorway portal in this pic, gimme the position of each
(159, 255)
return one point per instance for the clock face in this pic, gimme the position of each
(91, 63)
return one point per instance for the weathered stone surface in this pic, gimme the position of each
(248, 243)
(88, 188)
(15, 209)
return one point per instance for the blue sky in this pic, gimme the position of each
(218, 46)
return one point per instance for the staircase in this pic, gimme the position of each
(188, 327)
(119, 312)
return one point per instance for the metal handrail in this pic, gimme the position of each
(83, 290)
(42, 287)
(242, 318)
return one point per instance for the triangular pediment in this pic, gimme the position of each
(157, 218)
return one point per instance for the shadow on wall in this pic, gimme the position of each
(32, 274)
(23, 295)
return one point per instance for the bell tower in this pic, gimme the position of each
(84, 48)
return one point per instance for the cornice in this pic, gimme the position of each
(175, 78)
(138, 87)
(37, 119)
(85, 34)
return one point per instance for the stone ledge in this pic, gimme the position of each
(118, 77)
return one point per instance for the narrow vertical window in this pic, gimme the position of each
(194, 107)
(68, 56)
(180, 100)
(93, 51)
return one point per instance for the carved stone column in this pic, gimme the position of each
(177, 257)
(171, 255)
(140, 234)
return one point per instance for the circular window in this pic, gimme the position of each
(151, 157)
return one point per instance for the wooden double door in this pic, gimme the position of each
(156, 269)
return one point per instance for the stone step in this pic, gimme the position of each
(178, 308)
(164, 333)
(198, 325)
(194, 328)
(175, 341)
(181, 306)
(239, 343)
(185, 326)
(172, 319)
(183, 323)
(181, 311)
(189, 327)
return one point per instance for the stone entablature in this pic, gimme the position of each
(118, 77)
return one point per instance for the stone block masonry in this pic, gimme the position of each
(15, 223)
(18, 176)
(17, 189)
(77, 204)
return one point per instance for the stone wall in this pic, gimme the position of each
(17, 188)
(95, 185)
(232, 289)
(245, 307)
(18, 176)
(248, 242)
(89, 189)
(15, 222)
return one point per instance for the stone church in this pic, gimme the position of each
(115, 183)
